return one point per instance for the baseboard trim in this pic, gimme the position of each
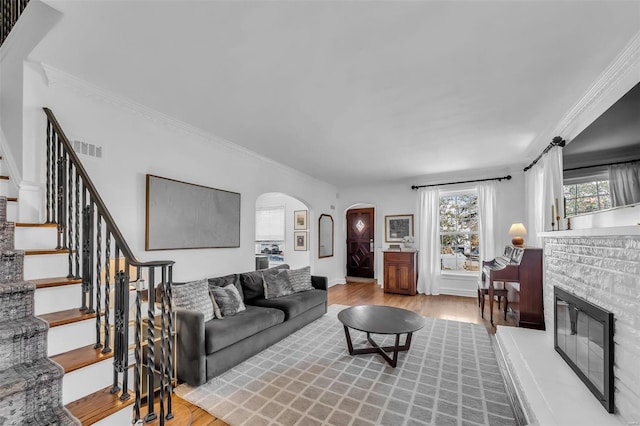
(458, 292)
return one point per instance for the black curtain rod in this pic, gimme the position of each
(508, 177)
(557, 141)
(602, 165)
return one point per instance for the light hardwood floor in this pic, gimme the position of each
(455, 308)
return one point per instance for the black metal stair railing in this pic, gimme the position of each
(10, 11)
(100, 256)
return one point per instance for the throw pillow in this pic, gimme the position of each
(277, 285)
(300, 279)
(193, 296)
(253, 283)
(225, 281)
(217, 313)
(228, 300)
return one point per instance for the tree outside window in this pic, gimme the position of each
(586, 197)
(459, 240)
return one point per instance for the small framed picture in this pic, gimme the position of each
(301, 219)
(396, 227)
(300, 241)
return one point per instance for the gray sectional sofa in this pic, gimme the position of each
(205, 349)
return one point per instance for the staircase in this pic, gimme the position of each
(39, 317)
(78, 306)
(86, 384)
(31, 392)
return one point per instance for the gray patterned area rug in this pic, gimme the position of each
(450, 376)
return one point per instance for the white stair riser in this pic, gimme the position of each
(12, 211)
(87, 380)
(71, 336)
(54, 299)
(5, 186)
(35, 238)
(46, 266)
(122, 417)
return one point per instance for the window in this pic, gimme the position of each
(586, 197)
(459, 240)
(270, 223)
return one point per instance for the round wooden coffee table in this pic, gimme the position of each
(380, 320)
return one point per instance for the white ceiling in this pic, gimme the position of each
(352, 92)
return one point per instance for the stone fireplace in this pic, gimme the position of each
(602, 266)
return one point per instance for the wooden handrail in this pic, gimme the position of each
(80, 214)
(102, 208)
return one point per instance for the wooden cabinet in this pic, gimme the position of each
(400, 272)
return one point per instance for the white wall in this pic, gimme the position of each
(35, 22)
(398, 198)
(295, 259)
(137, 141)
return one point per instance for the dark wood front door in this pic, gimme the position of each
(360, 237)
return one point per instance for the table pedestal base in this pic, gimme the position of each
(382, 350)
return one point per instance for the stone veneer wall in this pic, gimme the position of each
(606, 272)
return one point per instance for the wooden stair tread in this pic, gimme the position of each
(47, 251)
(14, 199)
(181, 409)
(199, 417)
(98, 405)
(36, 225)
(68, 316)
(80, 357)
(4, 177)
(55, 282)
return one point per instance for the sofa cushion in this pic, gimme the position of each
(294, 304)
(226, 280)
(222, 333)
(252, 282)
(193, 296)
(277, 285)
(300, 279)
(227, 299)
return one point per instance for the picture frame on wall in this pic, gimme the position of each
(178, 216)
(300, 241)
(396, 227)
(301, 220)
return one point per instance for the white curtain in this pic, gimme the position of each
(486, 220)
(624, 183)
(429, 256)
(543, 186)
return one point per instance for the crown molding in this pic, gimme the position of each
(616, 80)
(57, 77)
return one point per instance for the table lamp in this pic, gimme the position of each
(517, 230)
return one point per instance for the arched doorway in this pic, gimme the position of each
(277, 239)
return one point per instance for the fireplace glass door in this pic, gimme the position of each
(584, 338)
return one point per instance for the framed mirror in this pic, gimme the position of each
(325, 236)
(602, 163)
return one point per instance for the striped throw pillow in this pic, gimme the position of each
(193, 296)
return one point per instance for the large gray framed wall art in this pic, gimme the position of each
(182, 215)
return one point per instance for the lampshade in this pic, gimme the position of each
(517, 230)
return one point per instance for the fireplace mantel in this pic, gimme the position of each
(594, 232)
